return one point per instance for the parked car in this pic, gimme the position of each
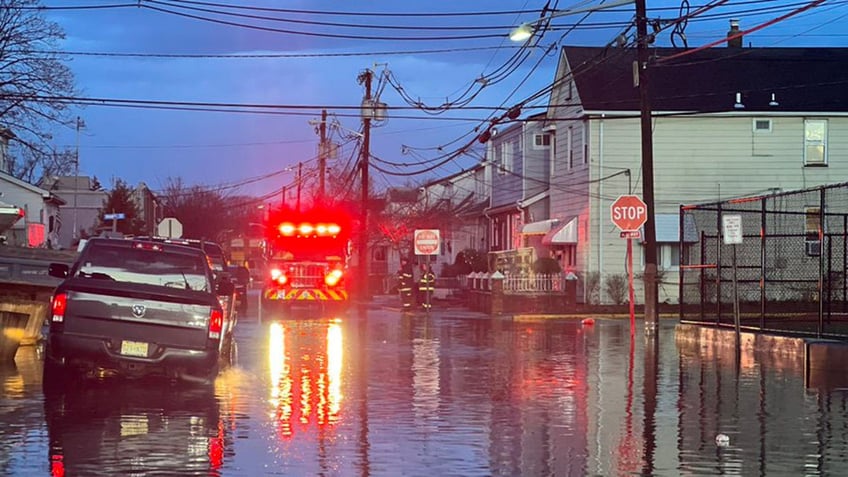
(241, 281)
(136, 308)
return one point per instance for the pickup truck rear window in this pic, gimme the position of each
(150, 267)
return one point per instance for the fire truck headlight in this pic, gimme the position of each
(333, 278)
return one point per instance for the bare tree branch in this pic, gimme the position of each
(29, 68)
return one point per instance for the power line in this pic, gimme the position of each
(317, 34)
(262, 55)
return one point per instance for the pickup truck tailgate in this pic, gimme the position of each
(137, 318)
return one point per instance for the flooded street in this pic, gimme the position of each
(456, 393)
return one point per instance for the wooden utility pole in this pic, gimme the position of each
(650, 276)
(367, 112)
(299, 183)
(323, 151)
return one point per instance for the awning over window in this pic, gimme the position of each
(668, 228)
(562, 234)
(539, 228)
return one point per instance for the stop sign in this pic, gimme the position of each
(629, 213)
(426, 241)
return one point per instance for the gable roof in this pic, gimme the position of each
(26, 185)
(802, 79)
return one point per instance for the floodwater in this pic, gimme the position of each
(456, 393)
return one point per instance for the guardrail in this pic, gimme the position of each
(26, 271)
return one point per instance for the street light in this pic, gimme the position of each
(526, 30)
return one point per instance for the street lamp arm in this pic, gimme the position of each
(526, 30)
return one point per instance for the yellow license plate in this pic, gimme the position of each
(134, 348)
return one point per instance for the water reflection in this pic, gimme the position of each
(127, 428)
(305, 360)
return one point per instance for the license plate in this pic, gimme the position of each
(133, 348)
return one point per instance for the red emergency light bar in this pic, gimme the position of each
(306, 229)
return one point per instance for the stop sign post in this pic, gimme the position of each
(629, 213)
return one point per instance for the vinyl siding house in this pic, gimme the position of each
(727, 122)
(41, 224)
(519, 157)
(454, 205)
(81, 207)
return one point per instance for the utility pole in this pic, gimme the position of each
(323, 151)
(367, 112)
(299, 179)
(650, 276)
(76, 178)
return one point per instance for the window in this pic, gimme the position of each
(506, 157)
(541, 141)
(815, 142)
(762, 126)
(585, 139)
(379, 253)
(668, 256)
(570, 148)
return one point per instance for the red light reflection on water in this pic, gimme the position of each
(305, 363)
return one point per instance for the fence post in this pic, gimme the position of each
(718, 265)
(497, 295)
(763, 233)
(821, 260)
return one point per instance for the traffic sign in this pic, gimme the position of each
(426, 241)
(114, 216)
(629, 213)
(170, 227)
(732, 229)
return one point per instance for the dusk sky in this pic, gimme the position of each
(220, 148)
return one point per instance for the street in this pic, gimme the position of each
(376, 392)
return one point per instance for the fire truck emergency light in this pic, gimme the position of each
(305, 229)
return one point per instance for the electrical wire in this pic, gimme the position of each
(317, 34)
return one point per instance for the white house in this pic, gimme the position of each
(81, 208)
(727, 122)
(40, 224)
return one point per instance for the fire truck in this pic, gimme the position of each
(307, 258)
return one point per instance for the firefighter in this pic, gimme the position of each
(405, 284)
(426, 286)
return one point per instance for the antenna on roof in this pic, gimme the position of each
(773, 101)
(738, 104)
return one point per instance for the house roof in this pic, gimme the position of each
(802, 79)
(26, 185)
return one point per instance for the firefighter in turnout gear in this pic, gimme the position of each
(426, 286)
(405, 284)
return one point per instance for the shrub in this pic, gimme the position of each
(546, 265)
(616, 288)
(592, 284)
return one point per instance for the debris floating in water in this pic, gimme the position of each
(722, 440)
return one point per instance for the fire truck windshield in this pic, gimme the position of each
(309, 249)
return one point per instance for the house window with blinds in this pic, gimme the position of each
(815, 142)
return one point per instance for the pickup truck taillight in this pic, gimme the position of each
(58, 306)
(216, 323)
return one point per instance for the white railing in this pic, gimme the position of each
(516, 284)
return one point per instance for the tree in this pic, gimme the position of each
(32, 79)
(119, 200)
(206, 212)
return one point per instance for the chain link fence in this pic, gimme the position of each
(787, 275)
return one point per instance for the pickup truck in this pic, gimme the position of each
(136, 308)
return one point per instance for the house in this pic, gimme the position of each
(520, 156)
(454, 205)
(727, 122)
(40, 224)
(150, 210)
(82, 201)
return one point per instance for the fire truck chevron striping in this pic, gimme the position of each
(307, 255)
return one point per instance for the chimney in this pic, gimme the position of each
(734, 30)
